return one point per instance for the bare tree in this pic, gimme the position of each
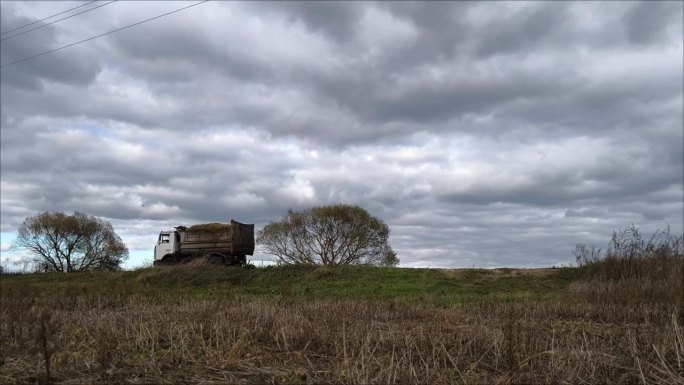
(329, 235)
(68, 243)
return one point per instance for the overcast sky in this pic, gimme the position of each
(484, 134)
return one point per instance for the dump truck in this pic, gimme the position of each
(219, 243)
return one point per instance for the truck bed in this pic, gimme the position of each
(232, 239)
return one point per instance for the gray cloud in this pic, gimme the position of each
(335, 19)
(79, 68)
(486, 134)
(523, 30)
(647, 22)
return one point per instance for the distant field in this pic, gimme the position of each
(333, 325)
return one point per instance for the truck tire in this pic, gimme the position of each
(236, 260)
(167, 260)
(216, 259)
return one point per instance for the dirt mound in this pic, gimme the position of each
(210, 227)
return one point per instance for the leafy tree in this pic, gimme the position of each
(389, 259)
(67, 243)
(329, 235)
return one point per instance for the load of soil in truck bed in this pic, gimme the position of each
(210, 227)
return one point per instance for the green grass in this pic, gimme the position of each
(436, 286)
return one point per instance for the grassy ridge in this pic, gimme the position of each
(346, 282)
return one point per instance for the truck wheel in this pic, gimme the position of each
(168, 259)
(215, 259)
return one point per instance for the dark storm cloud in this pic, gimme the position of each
(470, 95)
(649, 21)
(188, 47)
(79, 68)
(335, 19)
(522, 31)
(486, 133)
(442, 30)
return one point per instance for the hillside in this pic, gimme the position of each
(439, 286)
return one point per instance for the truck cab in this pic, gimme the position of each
(168, 243)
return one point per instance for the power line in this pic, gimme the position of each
(95, 37)
(45, 18)
(58, 20)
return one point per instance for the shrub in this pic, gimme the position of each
(633, 267)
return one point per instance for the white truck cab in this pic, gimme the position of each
(168, 243)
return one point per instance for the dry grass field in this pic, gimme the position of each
(145, 327)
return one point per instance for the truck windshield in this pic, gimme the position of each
(163, 238)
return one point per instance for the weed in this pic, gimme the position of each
(633, 268)
(45, 324)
